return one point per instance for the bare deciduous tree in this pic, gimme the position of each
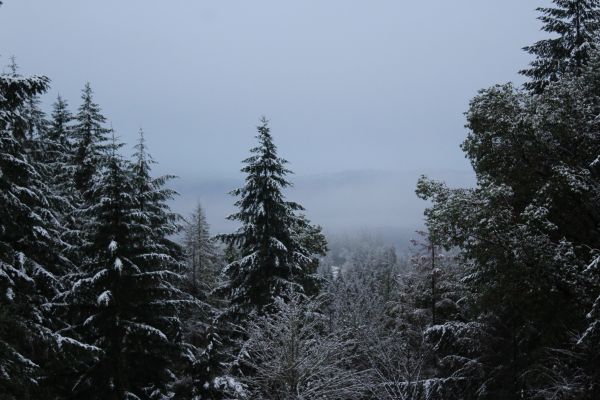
(290, 355)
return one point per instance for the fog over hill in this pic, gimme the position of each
(349, 203)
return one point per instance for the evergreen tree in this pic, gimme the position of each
(201, 328)
(60, 129)
(152, 197)
(30, 260)
(56, 155)
(160, 249)
(36, 118)
(273, 260)
(527, 233)
(202, 257)
(58, 148)
(126, 294)
(577, 24)
(90, 141)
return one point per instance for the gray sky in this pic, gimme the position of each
(349, 85)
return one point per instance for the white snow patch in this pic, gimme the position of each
(118, 264)
(229, 382)
(104, 298)
(112, 246)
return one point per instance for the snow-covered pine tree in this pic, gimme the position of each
(36, 118)
(29, 248)
(526, 235)
(202, 255)
(273, 259)
(200, 330)
(152, 196)
(577, 26)
(126, 295)
(90, 141)
(203, 330)
(58, 149)
(54, 153)
(574, 370)
(60, 129)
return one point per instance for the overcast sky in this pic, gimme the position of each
(378, 85)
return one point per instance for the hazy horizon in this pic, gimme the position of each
(377, 202)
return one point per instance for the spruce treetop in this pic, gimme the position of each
(61, 117)
(91, 137)
(273, 260)
(576, 24)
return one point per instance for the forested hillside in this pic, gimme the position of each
(106, 293)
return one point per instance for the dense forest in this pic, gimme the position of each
(106, 293)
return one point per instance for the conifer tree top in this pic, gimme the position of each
(89, 111)
(264, 163)
(265, 178)
(273, 259)
(576, 24)
(61, 117)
